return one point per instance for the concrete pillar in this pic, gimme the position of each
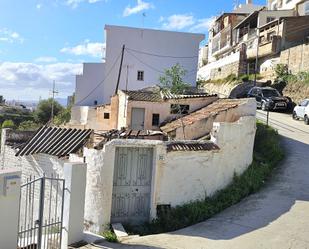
(74, 202)
(9, 207)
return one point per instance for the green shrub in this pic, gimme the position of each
(28, 126)
(267, 154)
(282, 70)
(110, 236)
(8, 124)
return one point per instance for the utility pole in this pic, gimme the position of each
(52, 105)
(257, 56)
(120, 69)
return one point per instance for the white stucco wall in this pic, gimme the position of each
(200, 174)
(176, 44)
(204, 72)
(93, 74)
(9, 206)
(194, 174)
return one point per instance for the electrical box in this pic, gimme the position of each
(11, 185)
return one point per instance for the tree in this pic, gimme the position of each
(172, 80)
(8, 124)
(43, 112)
(63, 117)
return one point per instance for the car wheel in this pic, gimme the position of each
(294, 115)
(306, 120)
(264, 106)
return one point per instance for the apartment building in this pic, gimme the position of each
(301, 7)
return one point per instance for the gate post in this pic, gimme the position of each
(74, 202)
(9, 206)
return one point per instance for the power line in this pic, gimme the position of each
(155, 69)
(146, 64)
(163, 56)
(102, 81)
(151, 67)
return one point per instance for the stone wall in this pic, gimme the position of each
(297, 58)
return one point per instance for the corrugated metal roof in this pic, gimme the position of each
(191, 146)
(203, 113)
(128, 134)
(55, 141)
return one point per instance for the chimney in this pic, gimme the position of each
(248, 1)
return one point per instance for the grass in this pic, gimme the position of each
(267, 155)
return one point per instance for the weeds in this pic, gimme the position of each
(232, 78)
(267, 155)
(110, 236)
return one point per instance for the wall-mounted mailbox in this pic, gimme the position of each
(11, 185)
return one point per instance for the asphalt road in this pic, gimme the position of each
(275, 218)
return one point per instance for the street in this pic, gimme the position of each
(275, 217)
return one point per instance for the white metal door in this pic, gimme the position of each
(132, 185)
(137, 118)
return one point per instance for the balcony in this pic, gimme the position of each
(266, 47)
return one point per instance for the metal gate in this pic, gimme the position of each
(41, 213)
(132, 185)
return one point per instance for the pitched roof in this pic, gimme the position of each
(191, 146)
(160, 96)
(203, 113)
(55, 141)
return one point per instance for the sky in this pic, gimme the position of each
(46, 40)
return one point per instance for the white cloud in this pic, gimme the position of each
(38, 6)
(203, 25)
(177, 22)
(74, 3)
(46, 59)
(10, 36)
(186, 21)
(140, 6)
(94, 49)
(29, 80)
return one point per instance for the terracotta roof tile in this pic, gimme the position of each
(191, 146)
(158, 96)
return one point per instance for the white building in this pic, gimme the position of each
(147, 54)
(300, 6)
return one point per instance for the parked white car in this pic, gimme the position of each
(301, 111)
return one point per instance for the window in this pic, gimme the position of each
(306, 7)
(270, 35)
(106, 115)
(155, 119)
(179, 109)
(270, 19)
(140, 75)
(304, 103)
(95, 102)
